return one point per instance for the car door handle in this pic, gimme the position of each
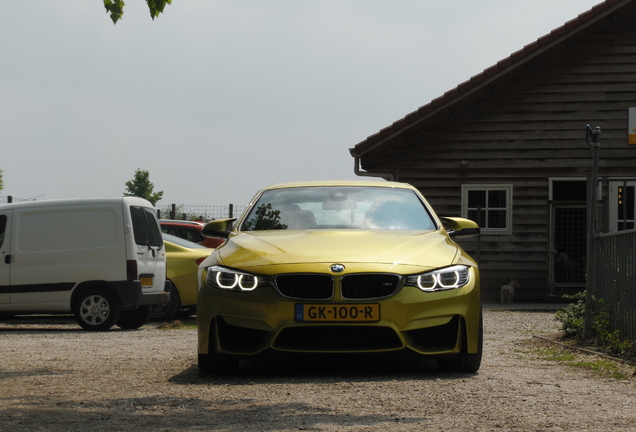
(8, 259)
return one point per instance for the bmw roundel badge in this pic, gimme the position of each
(337, 268)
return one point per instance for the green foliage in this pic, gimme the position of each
(601, 326)
(572, 320)
(265, 218)
(605, 367)
(116, 8)
(157, 6)
(140, 186)
(572, 317)
(181, 214)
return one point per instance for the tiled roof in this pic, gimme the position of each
(493, 73)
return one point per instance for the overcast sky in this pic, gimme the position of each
(218, 98)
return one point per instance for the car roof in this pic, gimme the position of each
(182, 222)
(314, 183)
(72, 202)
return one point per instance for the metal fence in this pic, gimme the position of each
(615, 255)
(199, 212)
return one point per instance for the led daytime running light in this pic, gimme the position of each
(227, 279)
(248, 288)
(439, 279)
(220, 284)
(443, 279)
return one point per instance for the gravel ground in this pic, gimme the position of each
(56, 377)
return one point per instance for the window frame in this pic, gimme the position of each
(507, 188)
(615, 207)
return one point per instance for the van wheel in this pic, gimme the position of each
(133, 318)
(168, 310)
(96, 310)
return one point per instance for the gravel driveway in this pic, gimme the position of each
(56, 377)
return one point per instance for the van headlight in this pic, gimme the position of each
(229, 279)
(441, 279)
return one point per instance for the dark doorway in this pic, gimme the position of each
(568, 247)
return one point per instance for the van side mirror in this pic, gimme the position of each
(219, 228)
(460, 227)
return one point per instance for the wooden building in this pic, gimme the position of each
(508, 148)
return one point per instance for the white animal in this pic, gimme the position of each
(508, 291)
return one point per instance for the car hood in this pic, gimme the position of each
(427, 249)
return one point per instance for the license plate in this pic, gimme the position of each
(338, 312)
(146, 281)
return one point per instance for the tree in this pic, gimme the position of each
(140, 186)
(116, 8)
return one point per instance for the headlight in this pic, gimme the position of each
(442, 279)
(225, 278)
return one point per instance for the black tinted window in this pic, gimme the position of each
(145, 226)
(3, 226)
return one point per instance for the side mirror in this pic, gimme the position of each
(460, 227)
(219, 228)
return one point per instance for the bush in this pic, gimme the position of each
(572, 317)
(601, 327)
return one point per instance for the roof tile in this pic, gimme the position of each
(586, 16)
(544, 40)
(530, 48)
(466, 85)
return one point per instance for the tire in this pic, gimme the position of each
(214, 363)
(464, 363)
(96, 309)
(133, 318)
(187, 312)
(218, 364)
(167, 311)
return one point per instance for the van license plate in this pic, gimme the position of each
(146, 281)
(338, 312)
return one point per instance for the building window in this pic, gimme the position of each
(625, 207)
(490, 206)
(622, 198)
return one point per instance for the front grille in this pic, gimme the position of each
(305, 286)
(361, 286)
(337, 338)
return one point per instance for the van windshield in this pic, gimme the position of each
(145, 227)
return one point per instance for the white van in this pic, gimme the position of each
(101, 259)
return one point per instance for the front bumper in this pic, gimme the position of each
(246, 324)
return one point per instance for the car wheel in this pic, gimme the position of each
(464, 363)
(186, 312)
(96, 310)
(133, 318)
(166, 311)
(218, 364)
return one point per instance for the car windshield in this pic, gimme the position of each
(338, 207)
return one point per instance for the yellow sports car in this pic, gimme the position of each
(182, 262)
(339, 267)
